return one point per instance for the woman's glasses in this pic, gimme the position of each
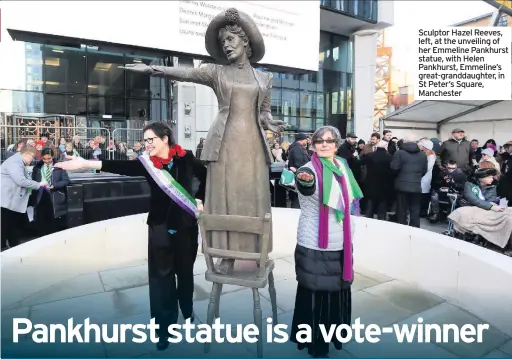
(320, 142)
(150, 140)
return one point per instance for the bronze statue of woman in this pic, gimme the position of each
(235, 149)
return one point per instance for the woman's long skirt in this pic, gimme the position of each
(315, 270)
(315, 308)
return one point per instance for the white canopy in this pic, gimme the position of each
(441, 112)
(479, 119)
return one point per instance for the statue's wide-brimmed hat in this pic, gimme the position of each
(234, 17)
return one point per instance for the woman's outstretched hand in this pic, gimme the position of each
(139, 68)
(73, 165)
(305, 177)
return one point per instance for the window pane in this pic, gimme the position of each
(64, 69)
(65, 104)
(309, 82)
(138, 109)
(334, 103)
(306, 104)
(342, 102)
(140, 85)
(155, 113)
(319, 122)
(164, 110)
(324, 47)
(276, 82)
(292, 122)
(349, 103)
(306, 124)
(340, 54)
(106, 106)
(27, 102)
(290, 103)
(320, 112)
(275, 103)
(290, 81)
(34, 67)
(104, 78)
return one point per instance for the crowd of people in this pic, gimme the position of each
(30, 164)
(69, 148)
(406, 179)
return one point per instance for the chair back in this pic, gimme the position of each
(260, 226)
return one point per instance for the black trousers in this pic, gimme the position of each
(13, 225)
(408, 203)
(171, 257)
(376, 205)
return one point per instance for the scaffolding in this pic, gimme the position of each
(383, 90)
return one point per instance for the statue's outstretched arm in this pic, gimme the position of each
(201, 75)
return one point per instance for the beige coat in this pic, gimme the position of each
(220, 80)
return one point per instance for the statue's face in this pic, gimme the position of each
(232, 45)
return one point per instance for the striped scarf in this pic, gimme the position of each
(339, 191)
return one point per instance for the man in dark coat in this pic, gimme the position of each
(348, 151)
(459, 149)
(379, 180)
(410, 164)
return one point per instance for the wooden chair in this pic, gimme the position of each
(254, 278)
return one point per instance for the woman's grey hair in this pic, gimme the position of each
(238, 31)
(323, 130)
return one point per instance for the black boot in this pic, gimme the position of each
(163, 343)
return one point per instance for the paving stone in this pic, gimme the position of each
(362, 282)
(375, 310)
(81, 285)
(285, 294)
(125, 277)
(405, 296)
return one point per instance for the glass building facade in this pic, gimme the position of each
(366, 10)
(306, 102)
(85, 82)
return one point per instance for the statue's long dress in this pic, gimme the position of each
(238, 183)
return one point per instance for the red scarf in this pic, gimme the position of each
(174, 151)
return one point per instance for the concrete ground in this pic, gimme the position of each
(120, 295)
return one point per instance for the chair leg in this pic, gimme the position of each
(258, 320)
(217, 301)
(273, 299)
(211, 311)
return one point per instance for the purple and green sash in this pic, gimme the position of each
(170, 186)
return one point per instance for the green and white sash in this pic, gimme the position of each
(170, 186)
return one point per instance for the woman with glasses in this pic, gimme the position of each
(49, 203)
(328, 195)
(172, 223)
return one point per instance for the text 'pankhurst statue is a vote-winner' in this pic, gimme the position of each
(235, 149)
